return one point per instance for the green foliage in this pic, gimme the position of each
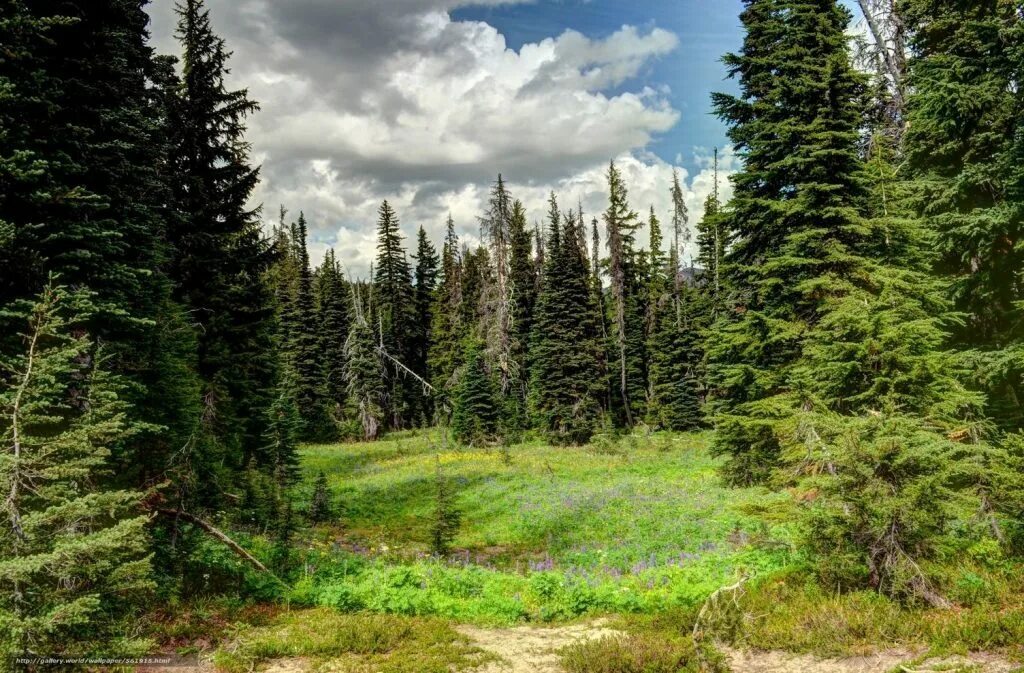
(445, 352)
(321, 506)
(564, 392)
(476, 411)
(73, 556)
(395, 311)
(643, 653)
(426, 288)
(334, 318)
(964, 143)
(364, 372)
(446, 519)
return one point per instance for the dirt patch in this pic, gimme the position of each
(883, 662)
(526, 649)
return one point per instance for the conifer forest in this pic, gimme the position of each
(783, 431)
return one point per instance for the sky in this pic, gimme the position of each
(424, 102)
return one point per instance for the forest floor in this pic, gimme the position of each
(585, 560)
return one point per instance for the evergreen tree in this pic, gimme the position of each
(220, 258)
(476, 410)
(523, 274)
(446, 331)
(626, 299)
(564, 391)
(964, 142)
(364, 372)
(711, 248)
(83, 196)
(497, 308)
(396, 315)
(305, 341)
(321, 509)
(444, 525)
(74, 553)
(426, 288)
(333, 321)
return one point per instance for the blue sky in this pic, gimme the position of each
(706, 29)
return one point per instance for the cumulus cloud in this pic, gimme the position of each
(364, 100)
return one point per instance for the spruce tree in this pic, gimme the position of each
(396, 315)
(365, 374)
(220, 257)
(565, 391)
(333, 320)
(73, 553)
(477, 405)
(426, 287)
(626, 302)
(446, 519)
(305, 356)
(497, 295)
(964, 144)
(445, 351)
(523, 273)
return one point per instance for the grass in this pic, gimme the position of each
(639, 528)
(637, 525)
(352, 644)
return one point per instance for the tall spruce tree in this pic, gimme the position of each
(833, 365)
(626, 302)
(523, 274)
(964, 143)
(476, 411)
(711, 237)
(395, 306)
(564, 391)
(305, 341)
(446, 331)
(83, 195)
(220, 259)
(333, 321)
(426, 288)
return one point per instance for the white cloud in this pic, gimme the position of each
(364, 100)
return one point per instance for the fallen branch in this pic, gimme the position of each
(224, 539)
(735, 591)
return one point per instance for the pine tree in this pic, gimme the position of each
(74, 553)
(396, 315)
(426, 288)
(220, 257)
(964, 143)
(477, 409)
(564, 390)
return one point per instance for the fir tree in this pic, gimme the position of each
(426, 288)
(564, 390)
(627, 311)
(964, 143)
(497, 307)
(220, 257)
(321, 507)
(73, 553)
(445, 522)
(333, 320)
(306, 354)
(523, 273)
(396, 315)
(476, 410)
(364, 372)
(446, 331)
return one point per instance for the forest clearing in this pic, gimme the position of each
(593, 559)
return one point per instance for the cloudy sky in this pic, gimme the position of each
(424, 102)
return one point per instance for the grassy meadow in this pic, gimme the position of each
(638, 524)
(636, 529)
